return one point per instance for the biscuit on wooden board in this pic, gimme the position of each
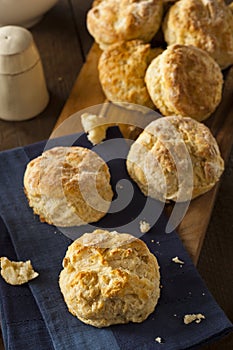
(110, 278)
(185, 80)
(207, 24)
(157, 160)
(122, 68)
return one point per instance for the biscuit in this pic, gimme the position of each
(186, 81)
(111, 21)
(175, 158)
(122, 68)
(68, 186)
(110, 278)
(207, 24)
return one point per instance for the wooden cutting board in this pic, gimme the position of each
(87, 92)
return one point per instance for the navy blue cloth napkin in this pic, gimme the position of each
(34, 316)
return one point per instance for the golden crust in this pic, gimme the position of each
(109, 278)
(122, 67)
(186, 81)
(158, 161)
(207, 24)
(68, 186)
(231, 7)
(111, 21)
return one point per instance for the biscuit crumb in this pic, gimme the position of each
(17, 272)
(144, 226)
(177, 260)
(95, 126)
(193, 317)
(159, 340)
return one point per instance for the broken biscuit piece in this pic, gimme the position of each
(193, 317)
(177, 260)
(17, 272)
(144, 226)
(95, 126)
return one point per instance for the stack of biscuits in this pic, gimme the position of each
(186, 78)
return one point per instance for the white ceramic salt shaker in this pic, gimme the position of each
(23, 91)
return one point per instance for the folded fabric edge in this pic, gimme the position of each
(212, 339)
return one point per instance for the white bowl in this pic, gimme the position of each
(24, 13)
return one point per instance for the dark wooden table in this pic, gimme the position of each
(63, 43)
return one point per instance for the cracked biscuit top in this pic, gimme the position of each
(110, 278)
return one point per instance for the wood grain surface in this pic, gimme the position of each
(64, 43)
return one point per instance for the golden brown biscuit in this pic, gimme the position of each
(110, 21)
(207, 24)
(175, 158)
(110, 278)
(186, 81)
(122, 68)
(68, 186)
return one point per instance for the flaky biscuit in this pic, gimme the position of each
(175, 158)
(110, 278)
(207, 24)
(185, 80)
(122, 68)
(110, 21)
(68, 186)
